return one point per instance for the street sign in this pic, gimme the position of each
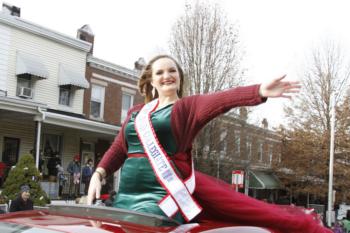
(237, 178)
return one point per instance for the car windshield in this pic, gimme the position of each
(96, 212)
(60, 215)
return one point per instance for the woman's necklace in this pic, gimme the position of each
(164, 104)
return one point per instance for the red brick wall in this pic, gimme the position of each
(113, 96)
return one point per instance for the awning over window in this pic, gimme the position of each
(29, 64)
(264, 180)
(68, 76)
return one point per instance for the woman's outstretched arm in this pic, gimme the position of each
(208, 106)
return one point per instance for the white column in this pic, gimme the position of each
(39, 119)
(38, 137)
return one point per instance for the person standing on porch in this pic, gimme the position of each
(2, 173)
(74, 171)
(61, 179)
(86, 174)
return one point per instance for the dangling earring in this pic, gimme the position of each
(153, 92)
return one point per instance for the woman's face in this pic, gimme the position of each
(165, 77)
(25, 195)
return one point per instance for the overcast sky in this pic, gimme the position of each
(276, 34)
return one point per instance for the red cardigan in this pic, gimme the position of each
(188, 117)
(217, 198)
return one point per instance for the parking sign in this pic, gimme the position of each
(238, 178)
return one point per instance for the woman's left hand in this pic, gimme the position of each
(279, 88)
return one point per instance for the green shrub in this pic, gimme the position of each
(25, 172)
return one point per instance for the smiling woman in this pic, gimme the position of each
(165, 80)
(162, 71)
(155, 143)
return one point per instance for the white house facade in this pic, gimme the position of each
(42, 84)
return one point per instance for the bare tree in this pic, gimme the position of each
(206, 45)
(307, 154)
(327, 75)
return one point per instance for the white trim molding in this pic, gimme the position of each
(128, 91)
(99, 82)
(111, 80)
(78, 123)
(40, 113)
(19, 105)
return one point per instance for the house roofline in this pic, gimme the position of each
(113, 68)
(36, 29)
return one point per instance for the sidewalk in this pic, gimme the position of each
(62, 202)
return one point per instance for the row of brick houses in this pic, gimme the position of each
(246, 148)
(255, 150)
(58, 100)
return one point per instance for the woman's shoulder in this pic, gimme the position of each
(135, 108)
(187, 101)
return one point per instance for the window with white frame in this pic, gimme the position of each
(249, 147)
(270, 153)
(237, 143)
(223, 141)
(97, 101)
(127, 103)
(279, 157)
(65, 97)
(260, 151)
(24, 86)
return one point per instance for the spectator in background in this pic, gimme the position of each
(346, 222)
(2, 172)
(338, 228)
(74, 171)
(88, 169)
(22, 202)
(52, 166)
(61, 179)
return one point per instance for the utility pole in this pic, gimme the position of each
(246, 181)
(331, 161)
(218, 168)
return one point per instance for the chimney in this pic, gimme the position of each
(243, 113)
(265, 123)
(85, 33)
(11, 10)
(140, 64)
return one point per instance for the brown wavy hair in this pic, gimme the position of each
(145, 80)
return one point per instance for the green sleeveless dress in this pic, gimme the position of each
(139, 189)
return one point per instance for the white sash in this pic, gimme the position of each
(179, 194)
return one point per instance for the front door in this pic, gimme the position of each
(11, 150)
